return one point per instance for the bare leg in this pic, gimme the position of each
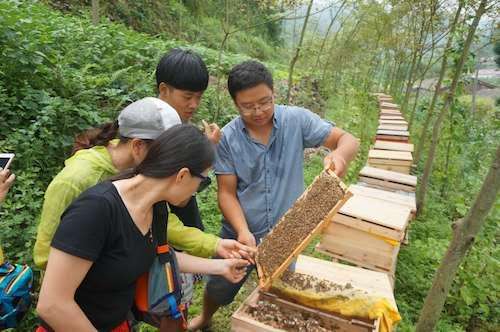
(204, 320)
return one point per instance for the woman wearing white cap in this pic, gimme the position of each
(99, 156)
(104, 241)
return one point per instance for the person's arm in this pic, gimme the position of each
(344, 148)
(58, 197)
(56, 303)
(197, 243)
(233, 269)
(231, 208)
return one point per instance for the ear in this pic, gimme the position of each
(138, 147)
(164, 89)
(183, 174)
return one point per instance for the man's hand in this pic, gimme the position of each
(233, 249)
(335, 163)
(247, 238)
(212, 131)
(6, 181)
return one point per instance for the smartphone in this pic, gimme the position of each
(6, 159)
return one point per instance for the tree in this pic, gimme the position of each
(464, 232)
(297, 51)
(95, 12)
(437, 88)
(424, 182)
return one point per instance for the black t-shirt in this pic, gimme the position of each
(98, 227)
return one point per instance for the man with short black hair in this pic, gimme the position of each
(259, 166)
(181, 79)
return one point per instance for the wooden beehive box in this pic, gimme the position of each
(367, 231)
(400, 127)
(392, 117)
(393, 122)
(393, 135)
(387, 180)
(390, 112)
(400, 197)
(306, 218)
(391, 106)
(397, 161)
(372, 282)
(393, 146)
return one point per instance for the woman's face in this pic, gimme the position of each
(185, 184)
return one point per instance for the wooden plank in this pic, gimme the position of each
(359, 247)
(390, 155)
(393, 146)
(265, 282)
(391, 215)
(389, 105)
(400, 139)
(386, 185)
(394, 168)
(389, 162)
(370, 227)
(390, 112)
(394, 132)
(394, 177)
(391, 117)
(372, 282)
(395, 122)
(392, 127)
(402, 198)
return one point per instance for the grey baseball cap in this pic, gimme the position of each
(147, 118)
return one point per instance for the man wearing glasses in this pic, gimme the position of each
(259, 166)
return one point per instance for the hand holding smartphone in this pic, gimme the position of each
(6, 178)
(6, 159)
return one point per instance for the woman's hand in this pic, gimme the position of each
(233, 249)
(233, 269)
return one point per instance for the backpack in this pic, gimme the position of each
(158, 292)
(16, 282)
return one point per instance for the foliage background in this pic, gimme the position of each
(60, 74)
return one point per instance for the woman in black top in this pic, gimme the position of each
(104, 242)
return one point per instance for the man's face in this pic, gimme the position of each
(185, 102)
(256, 105)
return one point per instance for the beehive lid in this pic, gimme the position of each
(402, 198)
(382, 174)
(393, 132)
(396, 122)
(398, 127)
(391, 117)
(394, 146)
(389, 111)
(380, 212)
(390, 155)
(388, 105)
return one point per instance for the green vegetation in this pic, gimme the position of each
(60, 74)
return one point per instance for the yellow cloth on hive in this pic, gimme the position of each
(349, 303)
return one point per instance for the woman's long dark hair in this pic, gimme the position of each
(180, 146)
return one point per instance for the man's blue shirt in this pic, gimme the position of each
(270, 177)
